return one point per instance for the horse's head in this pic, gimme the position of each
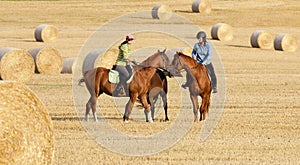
(176, 65)
(164, 61)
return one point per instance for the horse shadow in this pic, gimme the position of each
(75, 118)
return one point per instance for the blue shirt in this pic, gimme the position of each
(202, 54)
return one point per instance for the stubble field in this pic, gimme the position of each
(260, 120)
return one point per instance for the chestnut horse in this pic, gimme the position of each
(159, 83)
(197, 81)
(147, 83)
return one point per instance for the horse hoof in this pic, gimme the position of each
(126, 121)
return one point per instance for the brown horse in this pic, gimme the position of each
(145, 85)
(159, 83)
(197, 81)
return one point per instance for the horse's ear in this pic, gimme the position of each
(177, 53)
(164, 50)
(158, 51)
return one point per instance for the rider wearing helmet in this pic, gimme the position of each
(202, 53)
(121, 64)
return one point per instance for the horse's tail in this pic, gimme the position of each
(82, 80)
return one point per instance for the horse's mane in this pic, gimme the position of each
(187, 58)
(192, 62)
(148, 61)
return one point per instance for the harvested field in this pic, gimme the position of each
(260, 120)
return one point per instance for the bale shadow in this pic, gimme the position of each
(184, 11)
(239, 46)
(26, 40)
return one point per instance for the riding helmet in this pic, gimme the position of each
(129, 37)
(201, 34)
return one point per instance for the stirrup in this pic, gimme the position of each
(120, 90)
(184, 85)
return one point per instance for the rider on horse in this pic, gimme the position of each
(202, 53)
(122, 65)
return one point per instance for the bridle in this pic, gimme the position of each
(163, 59)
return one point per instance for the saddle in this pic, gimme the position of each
(114, 77)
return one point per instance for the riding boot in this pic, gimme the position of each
(126, 90)
(119, 90)
(185, 85)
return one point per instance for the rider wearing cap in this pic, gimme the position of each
(202, 53)
(122, 62)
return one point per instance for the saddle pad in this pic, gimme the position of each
(113, 77)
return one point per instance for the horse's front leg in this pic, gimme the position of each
(129, 107)
(165, 102)
(194, 99)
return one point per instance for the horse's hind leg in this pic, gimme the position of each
(204, 106)
(194, 99)
(87, 109)
(151, 102)
(93, 105)
(147, 108)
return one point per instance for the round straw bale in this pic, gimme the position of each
(89, 61)
(285, 42)
(69, 65)
(26, 135)
(261, 39)
(201, 6)
(222, 32)
(47, 60)
(162, 12)
(16, 64)
(97, 58)
(45, 33)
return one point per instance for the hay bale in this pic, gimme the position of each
(222, 32)
(162, 12)
(45, 33)
(26, 135)
(69, 65)
(47, 60)
(261, 39)
(98, 58)
(285, 42)
(16, 64)
(201, 6)
(90, 60)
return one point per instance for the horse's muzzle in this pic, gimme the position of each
(174, 72)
